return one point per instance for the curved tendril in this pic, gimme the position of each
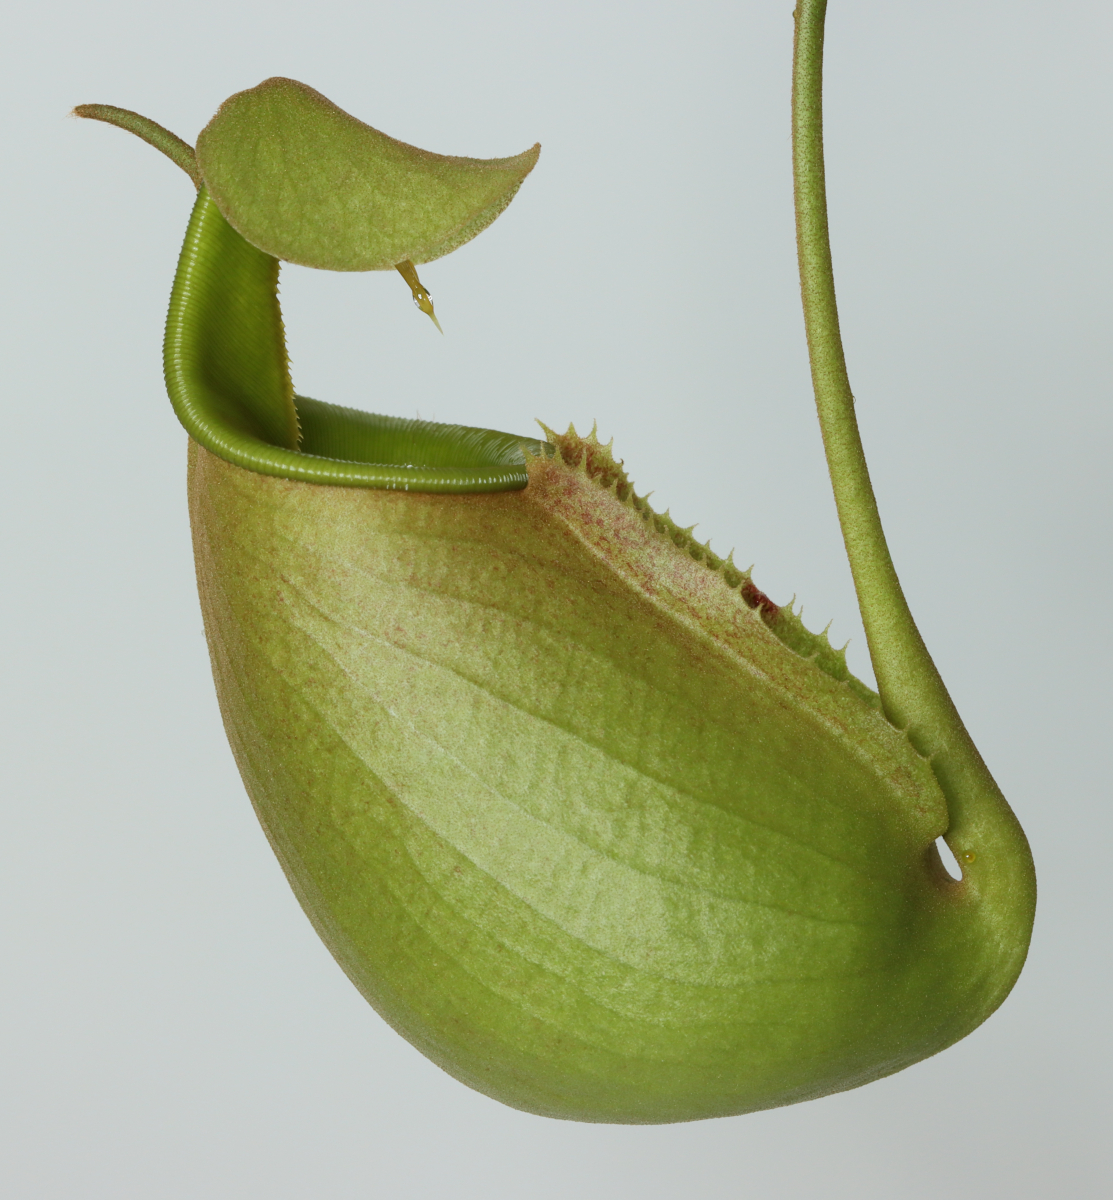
(912, 691)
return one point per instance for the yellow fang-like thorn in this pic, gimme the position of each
(421, 297)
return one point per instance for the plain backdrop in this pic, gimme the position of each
(171, 1026)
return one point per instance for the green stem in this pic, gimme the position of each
(912, 691)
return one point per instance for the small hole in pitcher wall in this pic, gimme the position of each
(949, 860)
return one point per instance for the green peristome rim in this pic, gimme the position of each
(228, 379)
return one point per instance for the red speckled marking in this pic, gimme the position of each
(756, 598)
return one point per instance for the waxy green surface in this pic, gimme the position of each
(565, 808)
(595, 824)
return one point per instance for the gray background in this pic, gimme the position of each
(171, 1026)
